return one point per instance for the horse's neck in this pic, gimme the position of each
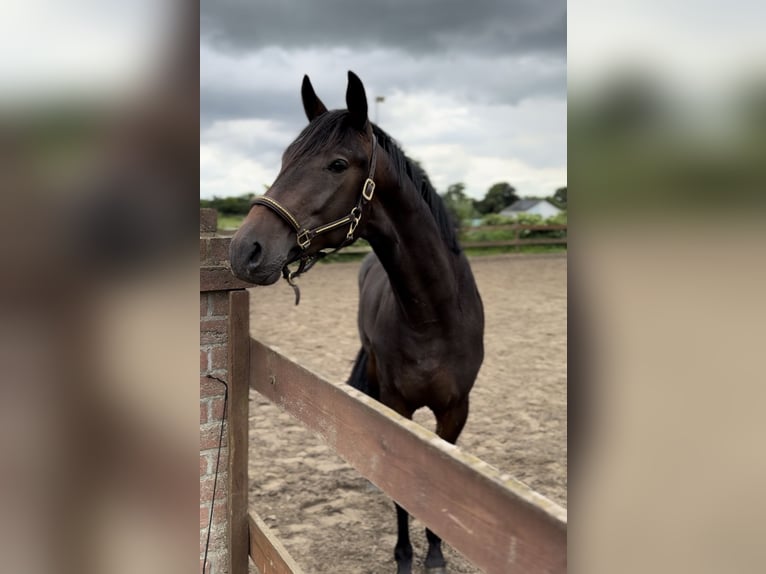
(420, 267)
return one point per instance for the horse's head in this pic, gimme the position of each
(322, 183)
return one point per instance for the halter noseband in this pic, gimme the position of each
(304, 235)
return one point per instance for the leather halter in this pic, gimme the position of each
(304, 235)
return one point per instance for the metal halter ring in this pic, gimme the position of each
(304, 239)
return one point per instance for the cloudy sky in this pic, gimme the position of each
(476, 91)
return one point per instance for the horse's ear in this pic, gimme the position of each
(311, 103)
(356, 101)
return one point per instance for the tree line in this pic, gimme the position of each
(462, 207)
(239, 205)
(498, 197)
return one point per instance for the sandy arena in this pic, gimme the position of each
(332, 520)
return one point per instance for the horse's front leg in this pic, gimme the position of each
(403, 549)
(435, 563)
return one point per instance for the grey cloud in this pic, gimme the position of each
(221, 103)
(488, 60)
(422, 26)
(270, 90)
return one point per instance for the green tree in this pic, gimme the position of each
(559, 198)
(498, 197)
(458, 204)
(239, 205)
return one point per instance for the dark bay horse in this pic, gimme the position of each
(421, 320)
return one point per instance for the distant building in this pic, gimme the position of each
(541, 207)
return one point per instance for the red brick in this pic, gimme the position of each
(203, 306)
(214, 324)
(202, 250)
(219, 357)
(213, 331)
(211, 410)
(209, 387)
(219, 303)
(217, 549)
(216, 410)
(209, 435)
(209, 456)
(206, 488)
(203, 363)
(219, 514)
(208, 220)
(218, 250)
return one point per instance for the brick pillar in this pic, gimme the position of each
(216, 282)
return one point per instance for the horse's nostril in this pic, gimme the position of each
(255, 254)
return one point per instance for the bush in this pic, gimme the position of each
(496, 219)
(529, 219)
(239, 205)
(560, 219)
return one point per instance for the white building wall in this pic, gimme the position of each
(545, 209)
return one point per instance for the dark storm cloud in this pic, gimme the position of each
(266, 83)
(415, 26)
(476, 87)
(220, 103)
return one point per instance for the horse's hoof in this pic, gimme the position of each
(436, 570)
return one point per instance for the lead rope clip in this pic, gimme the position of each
(289, 276)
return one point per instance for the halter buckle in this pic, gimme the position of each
(356, 216)
(368, 189)
(304, 239)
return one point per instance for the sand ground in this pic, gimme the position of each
(332, 520)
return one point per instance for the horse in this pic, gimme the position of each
(420, 316)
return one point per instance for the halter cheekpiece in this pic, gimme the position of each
(305, 235)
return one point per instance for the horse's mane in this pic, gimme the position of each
(405, 167)
(328, 130)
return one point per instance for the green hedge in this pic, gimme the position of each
(493, 220)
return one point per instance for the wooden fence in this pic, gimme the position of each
(496, 522)
(517, 229)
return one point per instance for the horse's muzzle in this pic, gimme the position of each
(250, 262)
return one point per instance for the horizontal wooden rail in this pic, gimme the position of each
(475, 244)
(466, 244)
(267, 551)
(495, 521)
(516, 227)
(516, 242)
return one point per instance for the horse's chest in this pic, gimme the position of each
(417, 365)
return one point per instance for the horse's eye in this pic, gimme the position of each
(338, 165)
